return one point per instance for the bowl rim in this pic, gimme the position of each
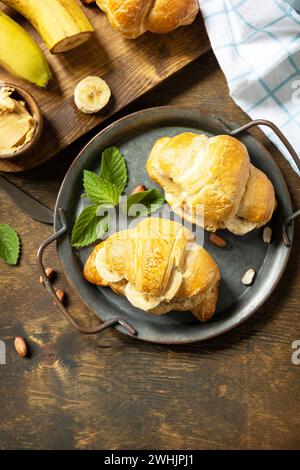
(35, 111)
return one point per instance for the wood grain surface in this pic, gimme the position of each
(131, 68)
(238, 391)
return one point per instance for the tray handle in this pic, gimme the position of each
(263, 122)
(88, 331)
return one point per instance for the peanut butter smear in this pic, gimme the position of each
(17, 126)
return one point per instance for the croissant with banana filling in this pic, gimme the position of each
(211, 182)
(134, 17)
(159, 267)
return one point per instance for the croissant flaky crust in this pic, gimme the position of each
(159, 267)
(134, 17)
(211, 182)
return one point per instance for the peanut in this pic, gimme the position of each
(217, 240)
(21, 346)
(50, 273)
(60, 295)
(140, 188)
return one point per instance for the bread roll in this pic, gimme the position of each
(159, 267)
(211, 182)
(134, 17)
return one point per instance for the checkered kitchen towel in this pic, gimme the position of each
(257, 43)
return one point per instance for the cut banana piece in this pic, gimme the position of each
(91, 94)
(174, 285)
(139, 300)
(61, 23)
(103, 268)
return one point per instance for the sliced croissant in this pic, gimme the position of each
(211, 182)
(134, 17)
(159, 267)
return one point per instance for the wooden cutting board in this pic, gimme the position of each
(131, 68)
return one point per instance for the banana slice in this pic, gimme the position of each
(175, 282)
(139, 300)
(103, 268)
(91, 94)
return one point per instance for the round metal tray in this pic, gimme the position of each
(135, 135)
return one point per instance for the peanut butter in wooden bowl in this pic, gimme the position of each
(20, 121)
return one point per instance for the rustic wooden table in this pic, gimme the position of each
(238, 391)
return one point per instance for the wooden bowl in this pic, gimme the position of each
(36, 113)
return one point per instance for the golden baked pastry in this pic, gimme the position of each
(159, 267)
(134, 17)
(211, 182)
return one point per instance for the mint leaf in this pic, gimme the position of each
(99, 190)
(113, 168)
(149, 201)
(88, 227)
(9, 244)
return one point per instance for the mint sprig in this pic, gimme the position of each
(145, 202)
(113, 168)
(104, 190)
(99, 190)
(9, 244)
(88, 227)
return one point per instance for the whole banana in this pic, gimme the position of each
(20, 55)
(61, 23)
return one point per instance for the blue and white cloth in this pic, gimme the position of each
(257, 44)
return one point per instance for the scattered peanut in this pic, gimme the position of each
(217, 240)
(267, 235)
(140, 188)
(21, 346)
(49, 273)
(60, 295)
(248, 277)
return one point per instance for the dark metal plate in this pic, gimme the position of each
(135, 135)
